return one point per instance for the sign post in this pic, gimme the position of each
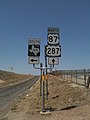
(46, 78)
(41, 81)
(43, 91)
(43, 88)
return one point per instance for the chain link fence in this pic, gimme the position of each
(77, 76)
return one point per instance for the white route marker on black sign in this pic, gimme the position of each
(53, 60)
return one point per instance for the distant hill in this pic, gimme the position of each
(10, 77)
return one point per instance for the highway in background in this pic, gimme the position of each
(9, 94)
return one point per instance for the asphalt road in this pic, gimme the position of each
(9, 94)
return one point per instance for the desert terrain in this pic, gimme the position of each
(66, 101)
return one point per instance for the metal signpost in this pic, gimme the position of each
(43, 77)
(46, 78)
(52, 51)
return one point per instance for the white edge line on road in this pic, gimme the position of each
(7, 114)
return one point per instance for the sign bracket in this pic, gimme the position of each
(42, 68)
(43, 77)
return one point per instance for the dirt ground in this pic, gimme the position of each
(67, 101)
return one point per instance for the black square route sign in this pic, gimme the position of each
(34, 50)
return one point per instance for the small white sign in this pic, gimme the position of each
(33, 60)
(53, 60)
(53, 51)
(53, 30)
(34, 41)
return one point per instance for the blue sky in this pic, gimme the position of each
(23, 19)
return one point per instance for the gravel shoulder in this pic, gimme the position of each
(67, 101)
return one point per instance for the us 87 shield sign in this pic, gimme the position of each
(53, 39)
(53, 51)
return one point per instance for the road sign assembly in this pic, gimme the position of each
(53, 49)
(33, 51)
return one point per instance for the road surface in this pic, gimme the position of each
(9, 94)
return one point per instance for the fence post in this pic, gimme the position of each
(71, 75)
(76, 76)
(84, 76)
(88, 72)
(67, 77)
(64, 74)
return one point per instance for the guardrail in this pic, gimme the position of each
(78, 76)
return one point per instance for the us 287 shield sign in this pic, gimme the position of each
(53, 51)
